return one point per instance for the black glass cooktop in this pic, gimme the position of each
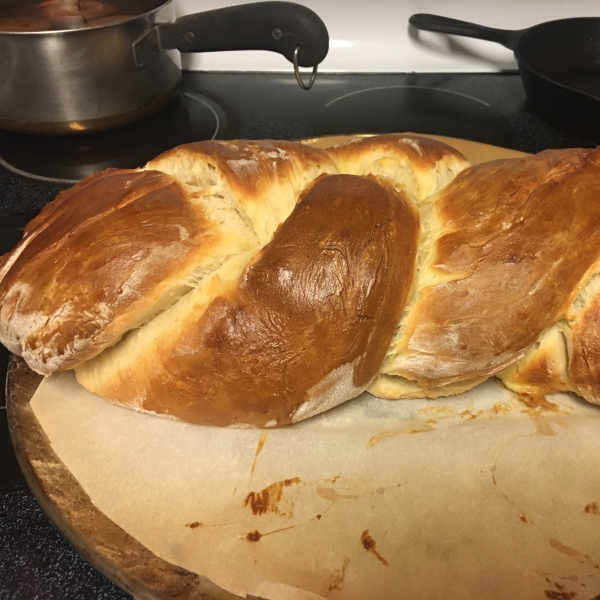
(188, 118)
(484, 108)
(35, 560)
(416, 108)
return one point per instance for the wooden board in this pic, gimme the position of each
(102, 543)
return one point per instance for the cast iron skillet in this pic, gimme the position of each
(559, 62)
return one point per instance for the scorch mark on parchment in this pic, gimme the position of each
(382, 436)
(559, 593)
(259, 447)
(330, 493)
(573, 553)
(267, 499)
(414, 427)
(336, 579)
(369, 545)
(255, 536)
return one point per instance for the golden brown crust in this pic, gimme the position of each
(584, 355)
(51, 211)
(543, 367)
(394, 387)
(517, 237)
(423, 152)
(264, 177)
(323, 297)
(567, 355)
(419, 165)
(506, 278)
(58, 322)
(81, 277)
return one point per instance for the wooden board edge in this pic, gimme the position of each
(107, 547)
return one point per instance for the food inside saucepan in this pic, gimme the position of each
(257, 283)
(47, 15)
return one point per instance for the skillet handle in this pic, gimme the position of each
(508, 38)
(276, 26)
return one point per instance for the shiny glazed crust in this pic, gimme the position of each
(213, 295)
(262, 178)
(514, 243)
(93, 264)
(303, 329)
(130, 254)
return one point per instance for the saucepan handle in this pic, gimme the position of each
(506, 37)
(277, 26)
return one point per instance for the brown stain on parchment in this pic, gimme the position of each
(417, 427)
(445, 412)
(538, 404)
(493, 472)
(255, 536)
(382, 436)
(592, 508)
(194, 525)
(572, 552)
(437, 408)
(336, 579)
(522, 517)
(267, 500)
(330, 493)
(259, 447)
(559, 595)
(544, 427)
(422, 428)
(369, 545)
(501, 408)
(469, 415)
(547, 576)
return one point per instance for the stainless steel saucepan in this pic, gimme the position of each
(96, 78)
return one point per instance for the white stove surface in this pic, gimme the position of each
(373, 36)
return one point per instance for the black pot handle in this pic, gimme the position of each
(277, 26)
(508, 38)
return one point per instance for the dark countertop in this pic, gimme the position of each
(35, 560)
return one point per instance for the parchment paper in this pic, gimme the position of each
(476, 496)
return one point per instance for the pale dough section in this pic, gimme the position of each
(478, 496)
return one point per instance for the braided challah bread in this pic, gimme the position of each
(505, 283)
(257, 283)
(231, 283)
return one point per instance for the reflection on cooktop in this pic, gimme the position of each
(190, 117)
(417, 109)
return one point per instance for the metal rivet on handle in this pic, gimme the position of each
(277, 33)
(189, 37)
(304, 86)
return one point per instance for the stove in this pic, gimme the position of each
(36, 561)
